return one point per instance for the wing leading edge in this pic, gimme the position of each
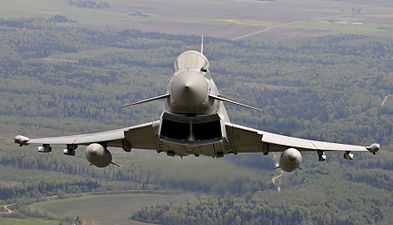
(245, 139)
(142, 136)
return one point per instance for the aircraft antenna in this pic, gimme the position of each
(202, 44)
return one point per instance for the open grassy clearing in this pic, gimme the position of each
(340, 27)
(27, 221)
(108, 208)
(192, 168)
(49, 8)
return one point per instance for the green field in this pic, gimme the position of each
(225, 19)
(341, 26)
(27, 221)
(108, 208)
(48, 8)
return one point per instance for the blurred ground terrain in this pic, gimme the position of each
(66, 70)
(283, 19)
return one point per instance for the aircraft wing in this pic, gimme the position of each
(143, 136)
(245, 139)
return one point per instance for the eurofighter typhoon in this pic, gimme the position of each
(194, 122)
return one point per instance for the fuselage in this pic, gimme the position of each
(192, 122)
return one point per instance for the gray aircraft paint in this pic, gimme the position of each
(194, 121)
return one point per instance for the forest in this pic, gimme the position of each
(60, 78)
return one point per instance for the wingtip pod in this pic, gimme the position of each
(373, 148)
(21, 140)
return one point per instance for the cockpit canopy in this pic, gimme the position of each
(191, 59)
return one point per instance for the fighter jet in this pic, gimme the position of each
(194, 122)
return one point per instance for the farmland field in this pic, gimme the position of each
(108, 208)
(27, 221)
(224, 19)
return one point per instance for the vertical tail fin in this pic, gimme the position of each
(202, 44)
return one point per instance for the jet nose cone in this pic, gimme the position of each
(189, 88)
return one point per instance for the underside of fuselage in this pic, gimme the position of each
(184, 135)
